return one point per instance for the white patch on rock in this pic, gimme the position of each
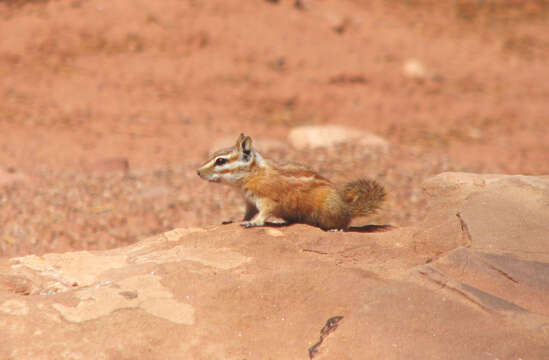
(151, 296)
(274, 232)
(14, 307)
(221, 258)
(71, 269)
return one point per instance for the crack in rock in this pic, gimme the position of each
(465, 233)
(330, 326)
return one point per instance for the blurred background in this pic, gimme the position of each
(108, 107)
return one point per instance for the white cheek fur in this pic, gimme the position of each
(231, 178)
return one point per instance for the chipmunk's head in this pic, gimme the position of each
(230, 165)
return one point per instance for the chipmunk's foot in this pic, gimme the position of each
(249, 224)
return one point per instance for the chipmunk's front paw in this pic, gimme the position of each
(249, 224)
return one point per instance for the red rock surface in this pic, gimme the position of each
(446, 288)
(107, 108)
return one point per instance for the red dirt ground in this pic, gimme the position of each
(106, 108)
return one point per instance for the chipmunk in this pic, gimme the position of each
(290, 192)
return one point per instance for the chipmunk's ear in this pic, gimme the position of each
(244, 144)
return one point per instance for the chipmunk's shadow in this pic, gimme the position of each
(370, 228)
(361, 229)
(267, 223)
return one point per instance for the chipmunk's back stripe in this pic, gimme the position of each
(300, 174)
(305, 179)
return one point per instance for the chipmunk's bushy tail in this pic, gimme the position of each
(363, 196)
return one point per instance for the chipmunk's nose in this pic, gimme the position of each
(198, 172)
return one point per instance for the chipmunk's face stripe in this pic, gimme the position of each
(227, 166)
(210, 163)
(226, 153)
(231, 168)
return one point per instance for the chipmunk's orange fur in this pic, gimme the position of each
(291, 192)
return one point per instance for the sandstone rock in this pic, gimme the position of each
(330, 135)
(469, 282)
(498, 212)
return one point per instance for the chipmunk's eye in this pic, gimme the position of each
(220, 161)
